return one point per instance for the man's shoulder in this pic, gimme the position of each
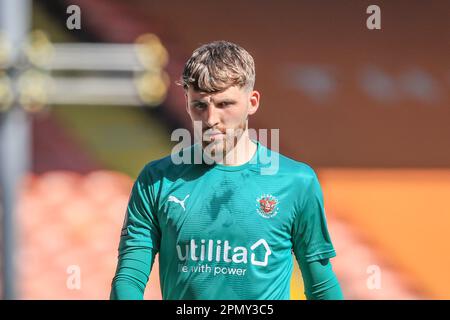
(170, 165)
(299, 174)
(290, 166)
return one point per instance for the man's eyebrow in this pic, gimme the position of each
(229, 100)
(198, 101)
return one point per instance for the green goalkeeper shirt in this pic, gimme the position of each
(224, 232)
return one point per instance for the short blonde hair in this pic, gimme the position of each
(218, 65)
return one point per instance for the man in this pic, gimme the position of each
(223, 227)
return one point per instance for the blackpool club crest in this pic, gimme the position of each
(267, 206)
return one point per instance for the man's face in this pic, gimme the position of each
(223, 116)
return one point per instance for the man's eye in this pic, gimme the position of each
(224, 104)
(199, 106)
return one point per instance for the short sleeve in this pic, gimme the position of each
(141, 228)
(311, 240)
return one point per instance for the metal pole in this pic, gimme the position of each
(15, 139)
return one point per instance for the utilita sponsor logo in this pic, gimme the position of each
(210, 250)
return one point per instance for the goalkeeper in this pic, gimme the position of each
(231, 225)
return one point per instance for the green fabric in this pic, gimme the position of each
(320, 281)
(223, 232)
(132, 273)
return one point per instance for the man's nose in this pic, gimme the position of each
(211, 116)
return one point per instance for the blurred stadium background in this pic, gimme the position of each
(369, 110)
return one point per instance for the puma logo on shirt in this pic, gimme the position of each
(176, 200)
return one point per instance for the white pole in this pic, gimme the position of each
(15, 140)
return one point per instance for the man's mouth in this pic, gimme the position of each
(213, 135)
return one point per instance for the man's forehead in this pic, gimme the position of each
(207, 96)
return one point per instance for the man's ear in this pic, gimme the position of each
(254, 102)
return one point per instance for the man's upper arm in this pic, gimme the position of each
(139, 241)
(310, 236)
(141, 225)
(312, 244)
